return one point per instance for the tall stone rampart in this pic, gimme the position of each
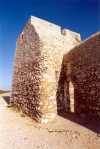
(37, 67)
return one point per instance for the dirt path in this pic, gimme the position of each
(67, 132)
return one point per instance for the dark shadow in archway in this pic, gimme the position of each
(7, 99)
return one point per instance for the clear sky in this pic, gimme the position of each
(81, 16)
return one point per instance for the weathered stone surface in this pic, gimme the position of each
(45, 63)
(84, 62)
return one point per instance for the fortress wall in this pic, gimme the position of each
(69, 40)
(82, 68)
(26, 74)
(33, 84)
(55, 45)
(37, 67)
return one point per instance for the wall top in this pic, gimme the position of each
(39, 23)
(46, 26)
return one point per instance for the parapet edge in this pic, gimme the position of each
(85, 41)
(37, 22)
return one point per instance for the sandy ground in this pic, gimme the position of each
(67, 132)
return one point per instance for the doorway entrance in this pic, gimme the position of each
(69, 97)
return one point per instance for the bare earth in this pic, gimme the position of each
(67, 132)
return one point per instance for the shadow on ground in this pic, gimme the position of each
(7, 99)
(93, 126)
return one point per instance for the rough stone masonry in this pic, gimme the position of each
(54, 70)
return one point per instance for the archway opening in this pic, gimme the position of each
(69, 101)
(71, 97)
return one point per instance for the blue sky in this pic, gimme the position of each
(81, 16)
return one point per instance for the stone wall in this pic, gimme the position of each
(55, 71)
(37, 67)
(82, 67)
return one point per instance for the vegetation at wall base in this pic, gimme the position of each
(16, 110)
(2, 91)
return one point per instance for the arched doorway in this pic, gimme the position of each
(71, 97)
